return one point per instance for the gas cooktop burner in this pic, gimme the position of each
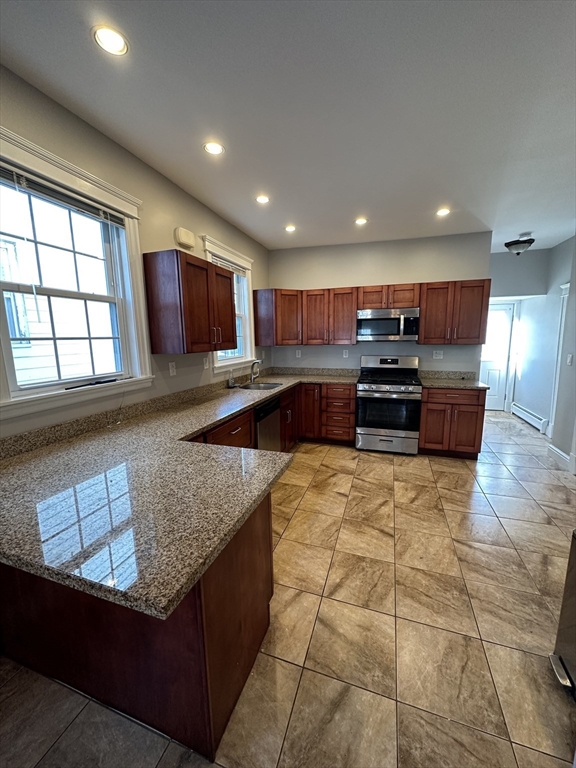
(378, 378)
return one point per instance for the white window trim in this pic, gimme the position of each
(32, 158)
(212, 246)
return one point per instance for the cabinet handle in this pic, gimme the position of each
(448, 334)
(337, 431)
(448, 411)
(451, 395)
(455, 329)
(215, 336)
(235, 432)
(325, 337)
(455, 414)
(316, 394)
(289, 414)
(333, 403)
(337, 389)
(338, 418)
(220, 332)
(332, 335)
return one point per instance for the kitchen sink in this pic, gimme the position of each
(258, 385)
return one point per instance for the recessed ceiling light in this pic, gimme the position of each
(262, 199)
(361, 221)
(213, 148)
(290, 228)
(111, 41)
(443, 212)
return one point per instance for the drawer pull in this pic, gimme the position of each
(451, 395)
(337, 431)
(337, 389)
(337, 403)
(338, 418)
(235, 431)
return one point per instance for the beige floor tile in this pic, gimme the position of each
(457, 481)
(493, 565)
(323, 502)
(379, 477)
(430, 553)
(539, 713)
(401, 460)
(566, 478)
(285, 495)
(355, 645)
(306, 460)
(378, 456)
(548, 572)
(518, 509)
(361, 581)
(529, 758)
(256, 729)
(342, 452)
(370, 508)
(488, 458)
(445, 464)
(465, 501)
(501, 449)
(484, 529)
(491, 470)
(562, 514)
(447, 674)
(275, 540)
(313, 449)
(434, 598)
(366, 539)
(415, 493)
(536, 537)
(298, 475)
(429, 741)
(327, 480)
(532, 475)
(313, 528)
(498, 487)
(516, 619)
(301, 566)
(340, 464)
(292, 617)
(335, 725)
(278, 524)
(551, 494)
(421, 519)
(417, 474)
(521, 460)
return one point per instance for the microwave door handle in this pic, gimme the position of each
(401, 326)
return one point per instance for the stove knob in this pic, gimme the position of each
(402, 389)
(387, 389)
(372, 387)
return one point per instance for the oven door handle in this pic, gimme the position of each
(391, 395)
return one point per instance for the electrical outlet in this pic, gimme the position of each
(205, 363)
(263, 354)
(569, 359)
(172, 369)
(298, 353)
(438, 354)
(344, 353)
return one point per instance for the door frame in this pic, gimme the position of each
(564, 291)
(510, 374)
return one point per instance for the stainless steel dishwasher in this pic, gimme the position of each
(267, 417)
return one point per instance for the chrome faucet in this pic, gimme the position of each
(253, 374)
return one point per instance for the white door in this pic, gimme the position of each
(496, 354)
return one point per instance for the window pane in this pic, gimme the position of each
(52, 223)
(74, 358)
(107, 358)
(87, 235)
(34, 362)
(69, 317)
(57, 268)
(18, 261)
(92, 275)
(28, 315)
(14, 212)
(102, 318)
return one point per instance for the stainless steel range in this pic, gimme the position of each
(388, 404)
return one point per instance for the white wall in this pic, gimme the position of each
(524, 275)
(31, 114)
(427, 259)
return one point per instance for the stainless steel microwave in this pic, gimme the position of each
(387, 324)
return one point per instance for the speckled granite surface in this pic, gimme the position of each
(452, 383)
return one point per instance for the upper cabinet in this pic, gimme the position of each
(190, 304)
(404, 295)
(277, 317)
(454, 312)
(316, 316)
(342, 316)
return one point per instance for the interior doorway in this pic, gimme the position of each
(495, 360)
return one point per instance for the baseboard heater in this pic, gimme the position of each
(530, 417)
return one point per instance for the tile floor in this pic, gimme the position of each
(416, 601)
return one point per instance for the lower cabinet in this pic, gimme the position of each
(338, 412)
(238, 432)
(310, 425)
(452, 420)
(289, 419)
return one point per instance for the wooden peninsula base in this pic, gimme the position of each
(181, 676)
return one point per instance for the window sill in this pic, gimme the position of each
(23, 406)
(225, 365)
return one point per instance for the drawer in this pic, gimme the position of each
(338, 391)
(338, 433)
(338, 420)
(338, 405)
(238, 432)
(463, 396)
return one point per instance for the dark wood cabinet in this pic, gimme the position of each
(315, 316)
(342, 316)
(454, 312)
(452, 420)
(310, 426)
(403, 295)
(338, 412)
(289, 419)
(238, 432)
(190, 304)
(277, 317)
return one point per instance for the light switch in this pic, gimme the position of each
(172, 369)
(438, 354)
(570, 359)
(298, 353)
(344, 353)
(205, 363)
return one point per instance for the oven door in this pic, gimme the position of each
(388, 413)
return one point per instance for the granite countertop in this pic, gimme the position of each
(452, 383)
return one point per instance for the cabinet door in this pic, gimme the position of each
(435, 426)
(315, 305)
(404, 296)
(238, 432)
(310, 410)
(466, 430)
(288, 421)
(436, 309)
(222, 296)
(288, 315)
(343, 304)
(199, 324)
(373, 297)
(470, 311)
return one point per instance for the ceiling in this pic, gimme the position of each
(387, 109)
